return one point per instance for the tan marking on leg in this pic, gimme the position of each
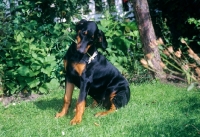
(94, 104)
(65, 64)
(80, 107)
(112, 107)
(79, 67)
(67, 99)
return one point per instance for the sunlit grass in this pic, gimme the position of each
(154, 110)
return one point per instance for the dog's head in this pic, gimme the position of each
(88, 34)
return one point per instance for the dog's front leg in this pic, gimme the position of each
(80, 106)
(69, 87)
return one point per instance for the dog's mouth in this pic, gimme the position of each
(83, 41)
(82, 49)
(83, 46)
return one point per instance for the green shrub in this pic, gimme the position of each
(33, 46)
(32, 60)
(196, 23)
(124, 46)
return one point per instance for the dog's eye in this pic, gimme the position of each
(85, 32)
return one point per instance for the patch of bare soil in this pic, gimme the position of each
(175, 83)
(6, 101)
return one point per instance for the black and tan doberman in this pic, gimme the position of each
(92, 73)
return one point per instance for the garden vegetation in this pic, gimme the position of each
(32, 46)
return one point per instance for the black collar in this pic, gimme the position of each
(90, 55)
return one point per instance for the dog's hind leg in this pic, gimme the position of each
(94, 104)
(112, 107)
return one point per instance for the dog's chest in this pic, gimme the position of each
(78, 67)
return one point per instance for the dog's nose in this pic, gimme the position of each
(78, 47)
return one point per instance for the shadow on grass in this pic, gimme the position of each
(168, 128)
(193, 105)
(55, 104)
(183, 122)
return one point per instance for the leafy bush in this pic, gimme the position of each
(31, 59)
(196, 23)
(32, 48)
(124, 46)
(32, 45)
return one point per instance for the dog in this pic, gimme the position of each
(92, 73)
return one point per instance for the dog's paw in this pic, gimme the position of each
(61, 114)
(75, 120)
(100, 114)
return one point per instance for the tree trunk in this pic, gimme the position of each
(148, 37)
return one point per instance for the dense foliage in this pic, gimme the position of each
(34, 38)
(124, 47)
(33, 45)
(31, 49)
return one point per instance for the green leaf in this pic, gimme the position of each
(10, 63)
(126, 42)
(12, 87)
(23, 70)
(57, 26)
(112, 59)
(105, 23)
(33, 82)
(38, 2)
(109, 50)
(19, 37)
(118, 33)
(120, 60)
(33, 73)
(127, 29)
(53, 84)
(35, 66)
(34, 55)
(47, 70)
(50, 58)
(125, 59)
(40, 59)
(39, 14)
(43, 90)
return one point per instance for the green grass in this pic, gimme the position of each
(155, 110)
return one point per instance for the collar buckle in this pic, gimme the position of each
(91, 57)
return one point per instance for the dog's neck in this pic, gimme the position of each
(92, 57)
(91, 54)
(91, 50)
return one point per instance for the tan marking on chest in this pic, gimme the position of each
(79, 67)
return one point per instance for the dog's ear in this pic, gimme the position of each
(80, 24)
(102, 39)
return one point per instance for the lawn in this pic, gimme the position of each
(155, 110)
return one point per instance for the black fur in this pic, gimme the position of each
(99, 78)
(92, 73)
